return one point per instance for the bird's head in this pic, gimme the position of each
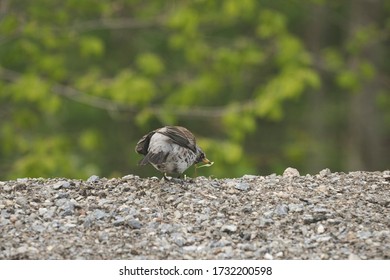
(201, 156)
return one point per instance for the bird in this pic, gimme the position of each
(171, 150)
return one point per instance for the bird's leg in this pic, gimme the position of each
(188, 179)
(172, 179)
(165, 177)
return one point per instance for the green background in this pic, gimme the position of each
(263, 85)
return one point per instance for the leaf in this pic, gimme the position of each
(150, 64)
(91, 46)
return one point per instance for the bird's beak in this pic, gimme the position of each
(205, 160)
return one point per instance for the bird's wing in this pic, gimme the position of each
(180, 136)
(143, 144)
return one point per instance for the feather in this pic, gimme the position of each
(179, 135)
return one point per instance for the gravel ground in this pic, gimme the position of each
(322, 216)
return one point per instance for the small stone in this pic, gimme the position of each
(13, 218)
(242, 186)
(230, 184)
(291, 172)
(353, 257)
(364, 234)
(320, 210)
(279, 254)
(281, 209)
(264, 222)
(325, 172)
(67, 206)
(308, 219)
(247, 209)
(93, 179)
(386, 175)
(322, 188)
(38, 227)
(296, 207)
(22, 249)
(119, 221)
(42, 211)
(189, 249)
(135, 224)
(87, 222)
(65, 184)
(312, 185)
(49, 213)
(324, 238)
(166, 228)
(103, 236)
(268, 214)
(249, 177)
(67, 212)
(22, 201)
(177, 214)
(128, 177)
(334, 179)
(282, 194)
(70, 225)
(22, 180)
(229, 228)
(179, 240)
(7, 188)
(268, 256)
(61, 184)
(320, 229)
(61, 195)
(99, 214)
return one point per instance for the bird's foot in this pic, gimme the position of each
(178, 179)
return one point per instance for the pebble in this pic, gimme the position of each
(279, 254)
(249, 177)
(242, 186)
(353, 257)
(42, 211)
(177, 214)
(93, 179)
(299, 208)
(61, 184)
(325, 172)
(281, 209)
(364, 234)
(22, 201)
(291, 172)
(320, 229)
(229, 228)
(308, 219)
(98, 214)
(135, 224)
(268, 256)
(253, 217)
(7, 188)
(119, 221)
(178, 239)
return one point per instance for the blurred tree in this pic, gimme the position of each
(263, 84)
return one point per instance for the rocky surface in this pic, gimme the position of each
(322, 216)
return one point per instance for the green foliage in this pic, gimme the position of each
(82, 81)
(150, 64)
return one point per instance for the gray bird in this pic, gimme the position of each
(170, 149)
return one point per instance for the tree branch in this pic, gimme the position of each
(113, 106)
(116, 23)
